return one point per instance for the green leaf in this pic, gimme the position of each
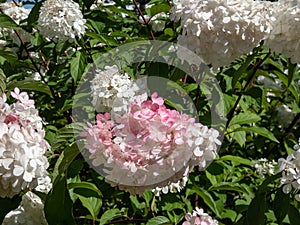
(64, 160)
(158, 8)
(2, 81)
(294, 215)
(34, 13)
(292, 87)
(58, 205)
(169, 32)
(256, 211)
(158, 220)
(78, 65)
(148, 196)
(263, 187)
(8, 204)
(259, 130)
(92, 188)
(109, 215)
(136, 204)
(281, 205)
(119, 10)
(291, 70)
(207, 198)
(236, 159)
(245, 118)
(158, 69)
(110, 41)
(239, 136)
(30, 85)
(65, 134)
(226, 186)
(92, 204)
(168, 206)
(9, 55)
(7, 22)
(242, 69)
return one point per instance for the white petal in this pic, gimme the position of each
(27, 176)
(18, 170)
(198, 152)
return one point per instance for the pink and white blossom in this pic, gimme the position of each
(22, 145)
(149, 146)
(199, 217)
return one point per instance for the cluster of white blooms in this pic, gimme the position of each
(172, 186)
(264, 166)
(22, 145)
(111, 89)
(220, 31)
(199, 217)
(286, 29)
(290, 168)
(44, 184)
(61, 19)
(17, 13)
(30, 212)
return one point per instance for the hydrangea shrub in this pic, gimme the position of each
(138, 155)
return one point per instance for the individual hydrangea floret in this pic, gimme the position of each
(199, 217)
(22, 145)
(286, 29)
(290, 168)
(149, 143)
(30, 212)
(61, 19)
(220, 31)
(111, 89)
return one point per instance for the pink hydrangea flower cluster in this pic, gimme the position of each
(149, 146)
(199, 217)
(22, 145)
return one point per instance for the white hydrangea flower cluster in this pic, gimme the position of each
(265, 167)
(61, 19)
(17, 13)
(199, 217)
(220, 31)
(173, 186)
(30, 212)
(286, 29)
(290, 168)
(112, 89)
(22, 145)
